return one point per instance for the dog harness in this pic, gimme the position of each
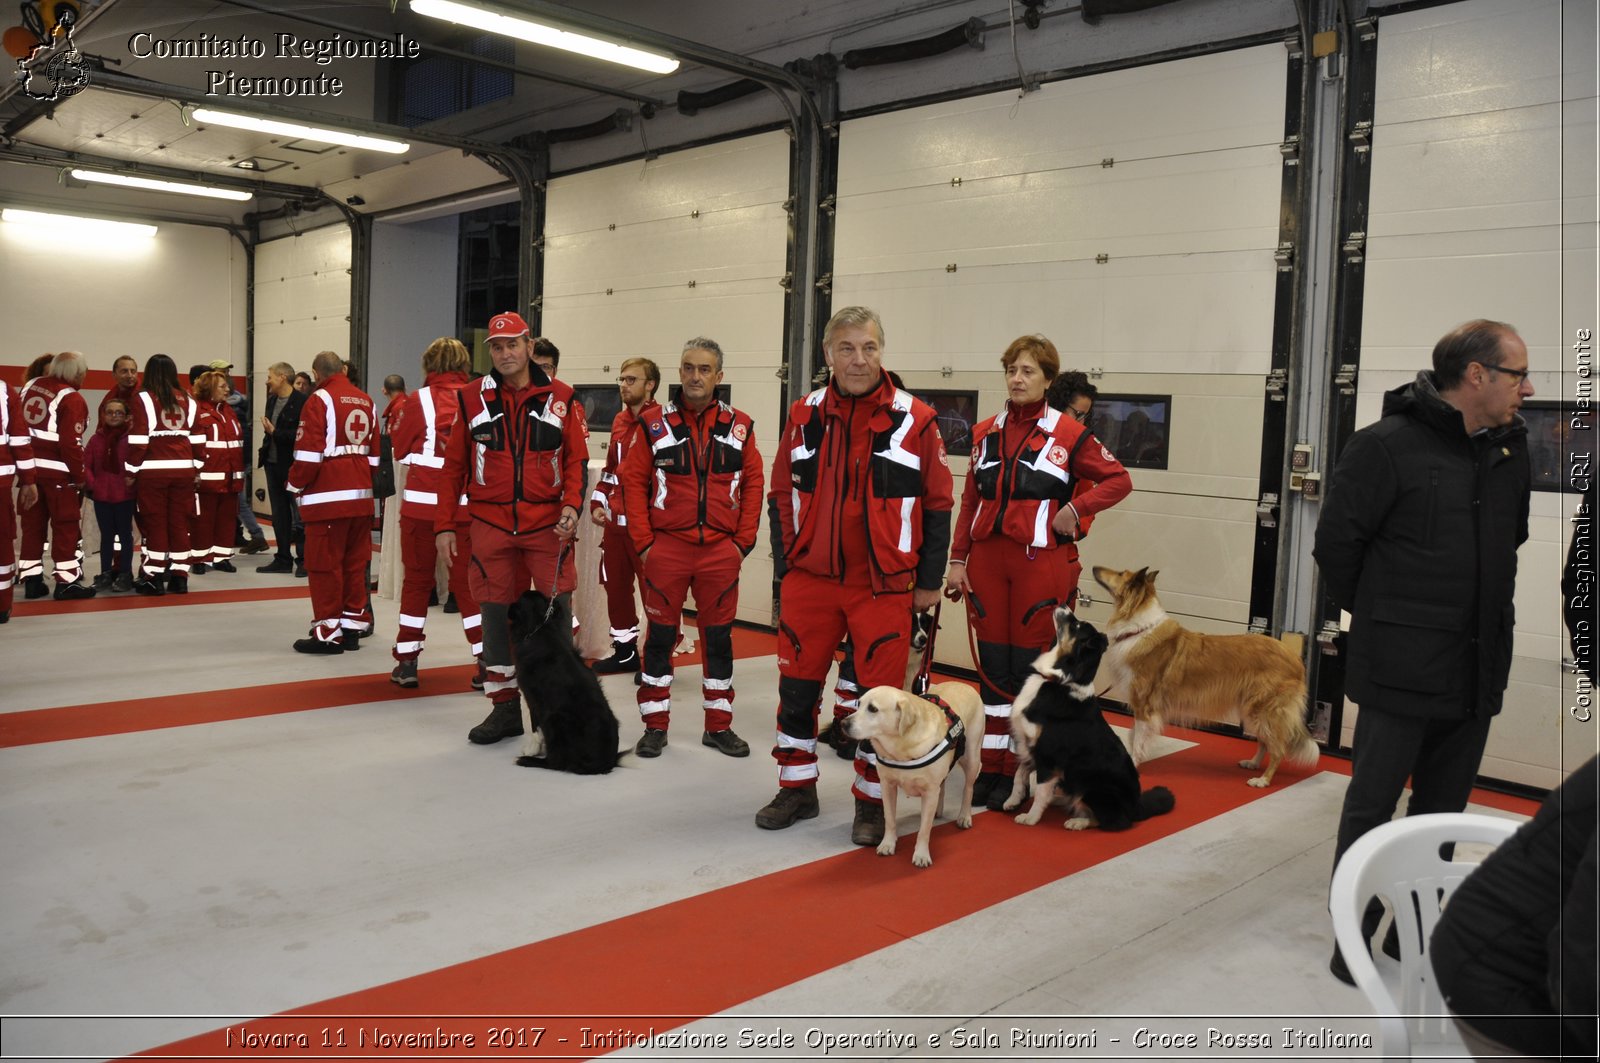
(955, 737)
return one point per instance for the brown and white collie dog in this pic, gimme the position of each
(1170, 673)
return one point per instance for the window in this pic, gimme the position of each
(438, 86)
(1556, 454)
(601, 404)
(955, 412)
(1136, 428)
(489, 259)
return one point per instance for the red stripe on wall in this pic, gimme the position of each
(102, 379)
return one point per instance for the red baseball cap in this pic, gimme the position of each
(506, 325)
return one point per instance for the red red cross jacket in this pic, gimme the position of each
(334, 452)
(1017, 495)
(519, 457)
(908, 487)
(56, 416)
(16, 444)
(165, 445)
(694, 477)
(419, 442)
(626, 429)
(223, 472)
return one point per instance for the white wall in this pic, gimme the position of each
(1483, 205)
(180, 293)
(1014, 195)
(642, 256)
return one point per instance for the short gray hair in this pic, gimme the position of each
(701, 343)
(858, 316)
(283, 369)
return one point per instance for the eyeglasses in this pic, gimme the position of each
(630, 380)
(1081, 416)
(1520, 374)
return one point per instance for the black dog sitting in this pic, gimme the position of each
(565, 702)
(1077, 758)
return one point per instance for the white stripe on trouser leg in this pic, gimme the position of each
(805, 745)
(996, 741)
(655, 680)
(326, 630)
(871, 789)
(718, 705)
(408, 647)
(27, 569)
(798, 773)
(418, 622)
(647, 707)
(717, 684)
(624, 636)
(865, 754)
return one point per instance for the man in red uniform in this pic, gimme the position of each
(16, 464)
(56, 416)
(334, 454)
(419, 442)
(692, 494)
(862, 492)
(517, 453)
(394, 390)
(126, 371)
(619, 567)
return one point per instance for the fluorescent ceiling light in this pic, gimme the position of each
(73, 225)
(527, 29)
(94, 176)
(304, 132)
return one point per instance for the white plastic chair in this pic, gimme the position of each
(1400, 862)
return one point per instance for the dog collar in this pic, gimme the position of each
(1130, 634)
(954, 738)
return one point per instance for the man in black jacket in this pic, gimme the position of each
(278, 428)
(1418, 542)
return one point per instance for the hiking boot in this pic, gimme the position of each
(257, 545)
(725, 742)
(988, 782)
(479, 677)
(102, 582)
(317, 646)
(651, 742)
(67, 592)
(198, 569)
(868, 826)
(503, 721)
(224, 566)
(149, 585)
(405, 673)
(998, 796)
(123, 582)
(177, 584)
(299, 570)
(624, 658)
(277, 564)
(33, 587)
(792, 803)
(450, 605)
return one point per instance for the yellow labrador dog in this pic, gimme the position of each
(917, 743)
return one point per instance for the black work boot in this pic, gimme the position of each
(867, 828)
(33, 587)
(625, 658)
(503, 721)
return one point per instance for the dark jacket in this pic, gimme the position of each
(1418, 541)
(284, 428)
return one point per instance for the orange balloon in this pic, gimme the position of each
(20, 42)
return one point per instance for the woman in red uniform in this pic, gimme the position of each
(165, 453)
(222, 477)
(1021, 509)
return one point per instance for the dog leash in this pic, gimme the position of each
(919, 682)
(555, 584)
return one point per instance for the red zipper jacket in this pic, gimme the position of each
(627, 429)
(695, 477)
(165, 445)
(56, 416)
(16, 443)
(223, 472)
(335, 450)
(518, 457)
(1018, 493)
(418, 442)
(908, 487)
